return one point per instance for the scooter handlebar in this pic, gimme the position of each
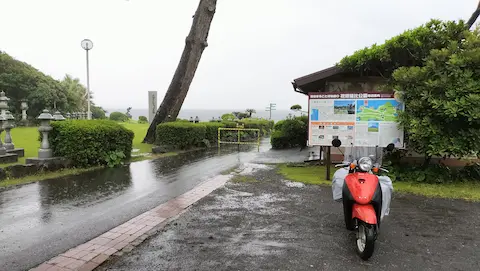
(384, 170)
(342, 165)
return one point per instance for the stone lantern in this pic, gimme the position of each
(3, 150)
(57, 116)
(3, 103)
(69, 116)
(24, 107)
(8, 125)
(45, 152)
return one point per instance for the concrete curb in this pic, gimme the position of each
(126, 237)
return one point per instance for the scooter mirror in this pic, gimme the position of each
(390, 147)
(336, 143)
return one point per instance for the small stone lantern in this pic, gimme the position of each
(3, 151)
(24, 107)
(69, 116)
(57, 116)
(8, 125)
(45, 152)
(3, 103)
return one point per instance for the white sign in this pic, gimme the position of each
(152, 105)
(356, 119)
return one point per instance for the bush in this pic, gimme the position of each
(118, 116)
(289, 133)
(211, 132)
(265, 126)
(89, 142)
(181, 135)
(142, 119)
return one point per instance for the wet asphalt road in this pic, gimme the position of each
(277, 225)
(41, 220)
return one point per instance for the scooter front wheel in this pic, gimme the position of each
(365, 242)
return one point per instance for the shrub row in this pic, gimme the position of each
(90, 142)
(289, 133)
(183, 135)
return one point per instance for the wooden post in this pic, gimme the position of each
(328, 163)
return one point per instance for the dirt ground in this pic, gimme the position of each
(273, 224)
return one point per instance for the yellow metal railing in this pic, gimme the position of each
(239, 142)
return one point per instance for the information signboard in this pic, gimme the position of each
(357, 119)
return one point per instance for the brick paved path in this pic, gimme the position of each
(88, 256)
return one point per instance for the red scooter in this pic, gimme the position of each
(362, 201)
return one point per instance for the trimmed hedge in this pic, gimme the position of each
(211, 132)
(88, 142)
(181, 135)
(289, 133)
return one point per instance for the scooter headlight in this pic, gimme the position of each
(365, 163)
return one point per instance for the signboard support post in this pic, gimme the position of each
(328, 163)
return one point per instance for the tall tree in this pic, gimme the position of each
(474, 16)
(195, 44)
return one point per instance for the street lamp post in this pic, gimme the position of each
(87, 45)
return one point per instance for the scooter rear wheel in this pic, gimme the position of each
(365, 241)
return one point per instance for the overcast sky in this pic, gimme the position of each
(256, 47)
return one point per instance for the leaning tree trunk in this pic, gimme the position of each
(474, 17)
(195, 43)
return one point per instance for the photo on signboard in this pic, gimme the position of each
(343, 107)
(321, 136)
(335, 127)
(350, 127)
(314, 115)
(373, 127)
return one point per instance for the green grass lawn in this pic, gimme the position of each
(316, 175)
(27, 138)
(140, 131)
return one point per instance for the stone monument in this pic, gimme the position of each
(152, 105)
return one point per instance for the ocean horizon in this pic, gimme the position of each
(207, 114)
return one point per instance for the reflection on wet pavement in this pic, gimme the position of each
(41, 220)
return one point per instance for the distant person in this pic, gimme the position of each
(197, 120)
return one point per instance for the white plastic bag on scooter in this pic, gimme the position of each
(352, 154)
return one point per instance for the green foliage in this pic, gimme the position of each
(296, 107)
(98, 112)
(405, 50)
(88, 142)
(118, 116)
(114, 158)
(181, 135)
(435, 173)
(289, 133)
(240, 115)
(21, 81)
(142, 119)
(442, 97)
(265, 126)
(211, 130)
(228, 117)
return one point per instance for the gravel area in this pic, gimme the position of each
(276, 224)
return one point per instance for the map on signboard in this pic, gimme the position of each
(356, 119)
(378, 110)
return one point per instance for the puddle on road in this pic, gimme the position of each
(293, 184)
(250, 168)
